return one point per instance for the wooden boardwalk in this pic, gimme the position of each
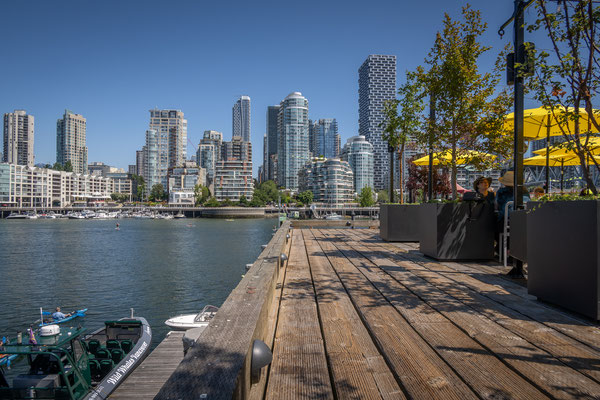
(359, 318)
(147, 379)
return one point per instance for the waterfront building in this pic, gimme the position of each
(330, 180)
(273, 164)
(337, 153)
(272, 141)
(122, 183)
(207, 160)
(23, 186)
(241, 118)
(18, 138)
(293, 151)
(233, 173)
(154, 161)
(376, 84)
(359, 155)
(186, 177)
(132, 169)
(324, 135)
(71, 141)
(262, 171)
(170, 141)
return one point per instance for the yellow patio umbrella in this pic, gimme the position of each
(593, 145)
(445, 157)
(556, 161)
(543, 122)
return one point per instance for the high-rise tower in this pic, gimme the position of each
(272, 141)
(292, 149)
(18, 138)
(376, 84)
(241, 118)
(171, 142)
(70, 142)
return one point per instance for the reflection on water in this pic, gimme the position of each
(160, 268)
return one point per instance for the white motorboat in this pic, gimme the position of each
(14, 215)
(189, 321)
(333, 216)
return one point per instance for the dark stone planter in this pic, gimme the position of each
(518, 235)
(562, 254)
(458, 231)
(399, 222)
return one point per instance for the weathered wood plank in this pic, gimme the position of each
(422, 373)
(218, 366)
(358, 370)
(147, 379)
(548, 350)
(480, 368)
(299, 369)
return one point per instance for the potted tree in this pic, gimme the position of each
(468, 125)
(400, 222)
(563, 233)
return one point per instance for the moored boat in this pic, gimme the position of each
(189, 321)
(67, 363)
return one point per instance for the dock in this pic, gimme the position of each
(147, 379)
(349, 316)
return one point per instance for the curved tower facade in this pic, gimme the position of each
(292, 145)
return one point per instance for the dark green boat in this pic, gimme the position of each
(74, 365)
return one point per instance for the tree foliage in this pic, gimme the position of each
(305, 197)
(568, 74)
(383, 197)
(366, 198)
(157, 193)
(201, 194)
(57, 166)
(469, 109)
(68, 166)
(419, 176)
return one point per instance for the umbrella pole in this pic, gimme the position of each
(562, 173)
(548, 155)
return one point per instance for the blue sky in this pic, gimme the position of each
(112, 61)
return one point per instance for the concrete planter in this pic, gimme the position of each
(518, 235)
(457, 231)
(562, 254)
(399, 222)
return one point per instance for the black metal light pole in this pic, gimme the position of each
(391, 151)
(430, 172)
(519, 60)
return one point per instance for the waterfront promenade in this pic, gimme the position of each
(352, 317)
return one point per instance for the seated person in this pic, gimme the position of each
(506, 194)
(482, 187)
(59, 315)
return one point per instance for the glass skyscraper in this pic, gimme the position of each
(241, 118)
(376, 84)
(325, 132)
(272, 116)
(359, 154)
(292, 150)
(18, 138)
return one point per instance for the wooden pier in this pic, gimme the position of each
(147, 379)
(352, 317)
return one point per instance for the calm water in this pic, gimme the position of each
(160, 268)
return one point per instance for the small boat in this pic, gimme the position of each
(67, 363)
(14, 215)
(229, 220)
(189, 321)
(179, 215)
(333, 216)
(48, 320)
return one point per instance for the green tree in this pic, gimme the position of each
(201, 194)
(257, 201)
(305, 197)
(243, 201)
(366, 197)
(382, 196)
(212, 202)
(227, 203)
(567, 74)
(68, 166)
(157, 193)
(57, 166)
(469, 109)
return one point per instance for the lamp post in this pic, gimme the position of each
(519, 59)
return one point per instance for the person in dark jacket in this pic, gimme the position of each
(482, 186)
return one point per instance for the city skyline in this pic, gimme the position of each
(112, 82)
